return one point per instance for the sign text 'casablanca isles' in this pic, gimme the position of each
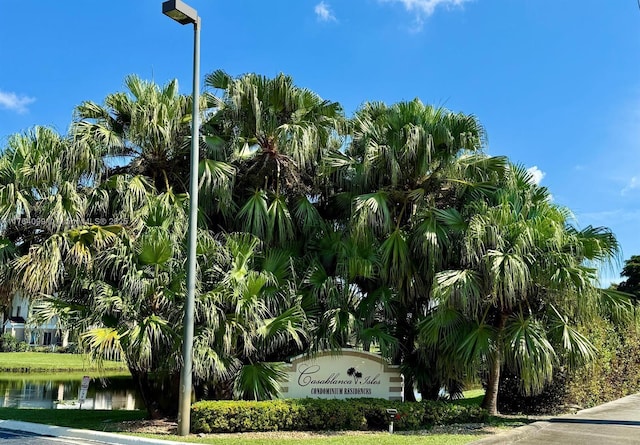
(341, 375)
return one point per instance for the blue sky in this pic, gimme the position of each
(556, 83)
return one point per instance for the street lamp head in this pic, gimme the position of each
(180, 12)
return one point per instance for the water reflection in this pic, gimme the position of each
(59, 393)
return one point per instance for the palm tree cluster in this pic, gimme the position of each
(389, 231)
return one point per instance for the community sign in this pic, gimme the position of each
(342, 374)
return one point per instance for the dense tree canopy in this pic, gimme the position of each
(631, 271)
(390, 231)
(521, 286)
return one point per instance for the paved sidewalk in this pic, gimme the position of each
(613, 423)
(89, 435)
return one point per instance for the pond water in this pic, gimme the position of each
(58, 392)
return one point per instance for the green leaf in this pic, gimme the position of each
(396, 262)
(280, 223)
(451, 218)
(478, 343)
(259, 381)
(530, 354)
(156, 248)
(254, 214)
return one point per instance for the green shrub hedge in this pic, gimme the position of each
(325, 414)
(8, 343)
(614, 373)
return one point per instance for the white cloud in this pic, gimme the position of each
(11, 101)
(324, 13)
(536, 174)
(425, 8)
(633, 184)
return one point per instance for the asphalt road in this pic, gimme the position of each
(614, 423)
(12, 437)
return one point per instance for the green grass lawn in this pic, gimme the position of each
(472, 397)
(51, 361)
(99, 420)
(45, 376)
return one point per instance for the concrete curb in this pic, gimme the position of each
(72, 433)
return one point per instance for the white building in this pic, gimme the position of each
(22, 325)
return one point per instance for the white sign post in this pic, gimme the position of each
(83, 389)
(342, 374)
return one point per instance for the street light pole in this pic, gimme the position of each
(184, 14)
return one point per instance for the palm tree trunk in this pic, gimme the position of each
(490, 401)
(409, 393)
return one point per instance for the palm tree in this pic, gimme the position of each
(123, 287)
(523, 285)
(144, 131)
(250, 319)
(39, 178)
(109, 259)
(133, 300)
(67, 225)
(275, 134)
(42, 192)
(403, 162)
